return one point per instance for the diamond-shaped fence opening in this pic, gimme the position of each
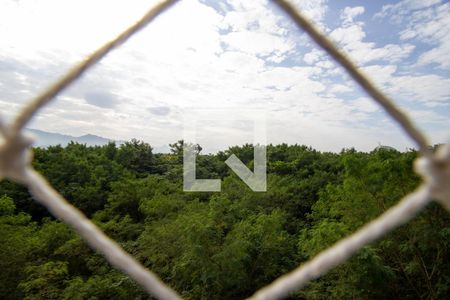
(16, 156)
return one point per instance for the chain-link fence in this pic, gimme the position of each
(16, 157)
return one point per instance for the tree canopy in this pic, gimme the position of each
(220, 245)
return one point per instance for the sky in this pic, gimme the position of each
(229, 56)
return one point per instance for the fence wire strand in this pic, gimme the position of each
(16, 156)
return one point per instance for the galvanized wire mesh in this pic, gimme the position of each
(16, 156)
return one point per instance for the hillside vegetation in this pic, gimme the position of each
(220, 245)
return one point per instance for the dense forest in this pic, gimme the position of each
(221, 245)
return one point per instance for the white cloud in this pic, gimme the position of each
(351, 37)
(404, 7)
(339, 89)
(439, 56)
(240, 62)
(430, 89)
(284, 78)
(365, 104)
(349, 13)
(312, 56)
(325, 64)
(380, 74)
(314, 10)
(425, 116)
(367, 52)
(435, 32)
(36, 26)
(422, 88)
(320, 59)
(426, 22)
(255, 28)
(256, 43)
(253, 15)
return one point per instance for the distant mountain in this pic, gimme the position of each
(45, 139)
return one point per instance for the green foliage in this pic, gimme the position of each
(220, 245)
(7, 206)
(44, 281)
(18, 240)
(112, 285)
(136, 156)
